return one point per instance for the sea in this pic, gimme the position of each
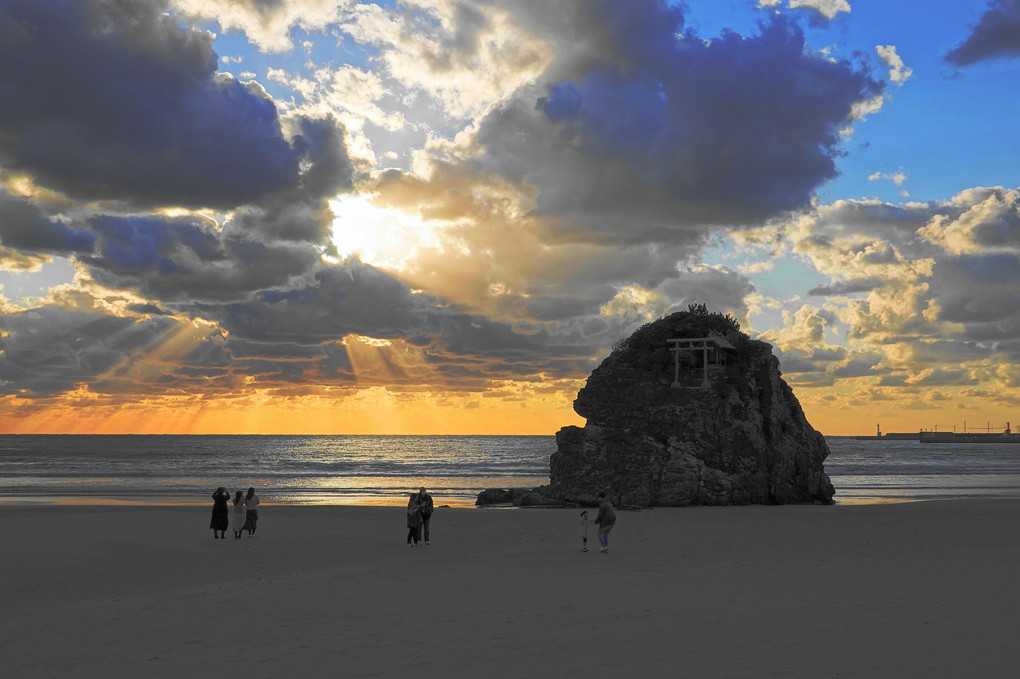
(384, 470)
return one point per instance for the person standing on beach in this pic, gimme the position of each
(425, 501)
(413, 520)
(220, 519)
(237, 515)
(605, 520)
(251, 512)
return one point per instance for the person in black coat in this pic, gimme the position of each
(425, 502)
(413, 520)
(220, 515)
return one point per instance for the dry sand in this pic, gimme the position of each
(909, 590)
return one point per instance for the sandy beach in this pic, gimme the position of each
(922, 589)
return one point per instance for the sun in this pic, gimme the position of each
(384, 237)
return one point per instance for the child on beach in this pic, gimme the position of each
(584, 531)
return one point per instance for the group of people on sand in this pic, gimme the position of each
(419, 511)
(242, 516)
(604, 522)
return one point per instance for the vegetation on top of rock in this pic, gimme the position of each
(697, 321)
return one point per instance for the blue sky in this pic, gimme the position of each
(461, 206)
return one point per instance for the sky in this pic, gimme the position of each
(435, 216)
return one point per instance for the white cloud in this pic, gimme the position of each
(896, 178)
(898, 73)
(468, 57)
(990, 219)
(347, 93)
(827, 8)
(267, 24)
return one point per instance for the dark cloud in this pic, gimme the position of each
(858, 367)
(719, 288)
(793, 360)
(187, 260)
(995, 36)
(358, 299)
(337, 301)
(24, 227)
(148, 310)
(50, 350)
(941, 377)
(134, 110)
(790, 362)
(893, 381)
(978, 290)
(730, 131)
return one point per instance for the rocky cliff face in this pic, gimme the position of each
(742, 440)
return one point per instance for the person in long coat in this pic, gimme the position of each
(251, 511)
(220, 518)
(413, 520)
(427, 506)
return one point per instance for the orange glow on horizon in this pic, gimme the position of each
(515, 409)
(379, 411)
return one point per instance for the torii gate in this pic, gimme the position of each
(713, 347)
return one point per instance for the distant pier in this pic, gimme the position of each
(936, 436)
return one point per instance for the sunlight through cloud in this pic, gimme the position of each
(383, 237)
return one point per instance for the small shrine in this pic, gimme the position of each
(712, 353)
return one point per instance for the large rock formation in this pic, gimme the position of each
(740, 439)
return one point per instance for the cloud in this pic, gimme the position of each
(995, 36)
(50, 350)
(694, 131)
(24, 227)
(940, 283)
(267, 24)
(350, 95)
(466, 55)
(940, 377)
(847, 287)
(981, 291)
(625, 129)
(183, 259)
(133, 109)
(898, 73)
(990, 220)
(896, 178)
(857, 367)
(488, 253)
(827, 8)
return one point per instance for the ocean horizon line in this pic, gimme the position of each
(265, 435)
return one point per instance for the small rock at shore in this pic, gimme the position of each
(493, 496)
(518, 497)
